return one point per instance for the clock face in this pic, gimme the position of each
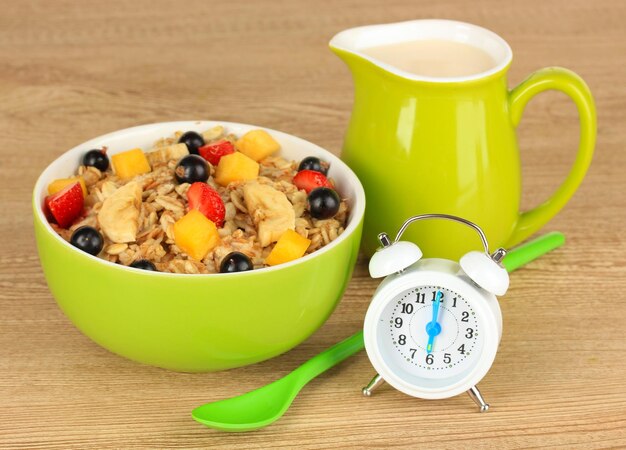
(430, 332)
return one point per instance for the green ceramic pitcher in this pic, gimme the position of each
(424, 144)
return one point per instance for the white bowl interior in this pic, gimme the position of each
(144, 136)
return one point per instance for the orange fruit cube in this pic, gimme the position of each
(235, 167)
(130, 163)
(61, 183)
(290, 246)
(257, 144)
(195, 234)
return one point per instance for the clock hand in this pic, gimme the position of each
(433, 328)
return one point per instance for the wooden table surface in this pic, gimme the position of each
(72, 70)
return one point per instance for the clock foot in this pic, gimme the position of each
(475, 395)
(376, 381)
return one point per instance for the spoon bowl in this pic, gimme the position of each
(263, 406)
(251, 411)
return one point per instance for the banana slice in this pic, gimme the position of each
(119, 215)
(164, 154)
(271, 211)
(213, 133)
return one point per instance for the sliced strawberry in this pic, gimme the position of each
(311, 179)
(205, 199)
(66, 205)
(214, 151)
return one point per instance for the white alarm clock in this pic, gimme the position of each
(434, 325)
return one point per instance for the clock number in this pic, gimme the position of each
(435, 296)
(407, 308)
(461, 349)
(398, 322)
(412, 350)
(447, 358)
(420, 298)
(470, 333)
(454, 302)
(464, 316)
(402, 339)
(429, 359)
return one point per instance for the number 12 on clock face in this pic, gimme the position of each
(421, 298)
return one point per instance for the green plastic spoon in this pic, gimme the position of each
(263, 406)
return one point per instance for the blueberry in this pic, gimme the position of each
(323, 203)
(313, 163)
(235, 262)
(96, 158)
(192, 140)
(191, 168)
(143, 264)
(87, 239)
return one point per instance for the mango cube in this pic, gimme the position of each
(130, 163)
(290, 246)
(195, 234)
(61, 183)
(235, 167)
(257, 144)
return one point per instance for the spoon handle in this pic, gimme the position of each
(525, 253)
(329, 358)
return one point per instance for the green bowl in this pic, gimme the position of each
(197, 323)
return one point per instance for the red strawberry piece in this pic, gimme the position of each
(66, 205)
(311, 179)
(214, 151)
(207, 200)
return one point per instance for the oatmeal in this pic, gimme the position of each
(198, 203)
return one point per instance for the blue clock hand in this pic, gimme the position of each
(432, 327)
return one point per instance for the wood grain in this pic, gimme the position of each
(72, 70)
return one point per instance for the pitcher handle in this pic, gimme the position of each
(570, 83)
